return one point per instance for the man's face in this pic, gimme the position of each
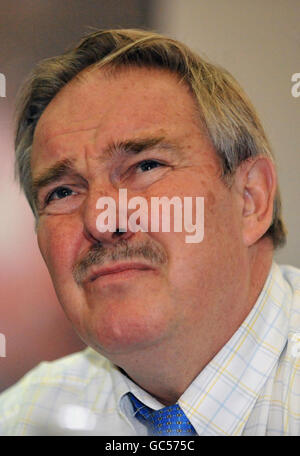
(136, 130)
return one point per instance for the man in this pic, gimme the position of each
(185, 338)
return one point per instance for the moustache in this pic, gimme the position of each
(122, 250)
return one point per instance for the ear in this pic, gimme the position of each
(256, 182)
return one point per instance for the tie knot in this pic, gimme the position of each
(169, 420)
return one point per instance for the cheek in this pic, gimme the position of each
(195, 266)
(58, 242)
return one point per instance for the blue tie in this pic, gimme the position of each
(167, 421)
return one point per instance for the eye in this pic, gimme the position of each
(59, 193)
(148, 165)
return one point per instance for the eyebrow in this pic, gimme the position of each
(52, 174)
(66, 167)
(136, 146)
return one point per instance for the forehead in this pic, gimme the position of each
(100, 107)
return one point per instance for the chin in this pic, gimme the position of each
(119, 332)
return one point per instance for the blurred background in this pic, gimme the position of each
(258, 41)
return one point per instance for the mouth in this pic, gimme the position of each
(120, 270)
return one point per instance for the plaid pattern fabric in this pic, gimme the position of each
(251, 387)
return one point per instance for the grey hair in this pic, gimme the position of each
(224, 109)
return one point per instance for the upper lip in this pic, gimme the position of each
(96, 272)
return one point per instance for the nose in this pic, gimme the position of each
(104, 220)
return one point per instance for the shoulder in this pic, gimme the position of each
(291, 276)
(287, 379)
(47, 384)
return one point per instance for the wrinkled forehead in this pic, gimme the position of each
(100, 92)
(111, 106)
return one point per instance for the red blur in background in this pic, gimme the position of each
(32, 323)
